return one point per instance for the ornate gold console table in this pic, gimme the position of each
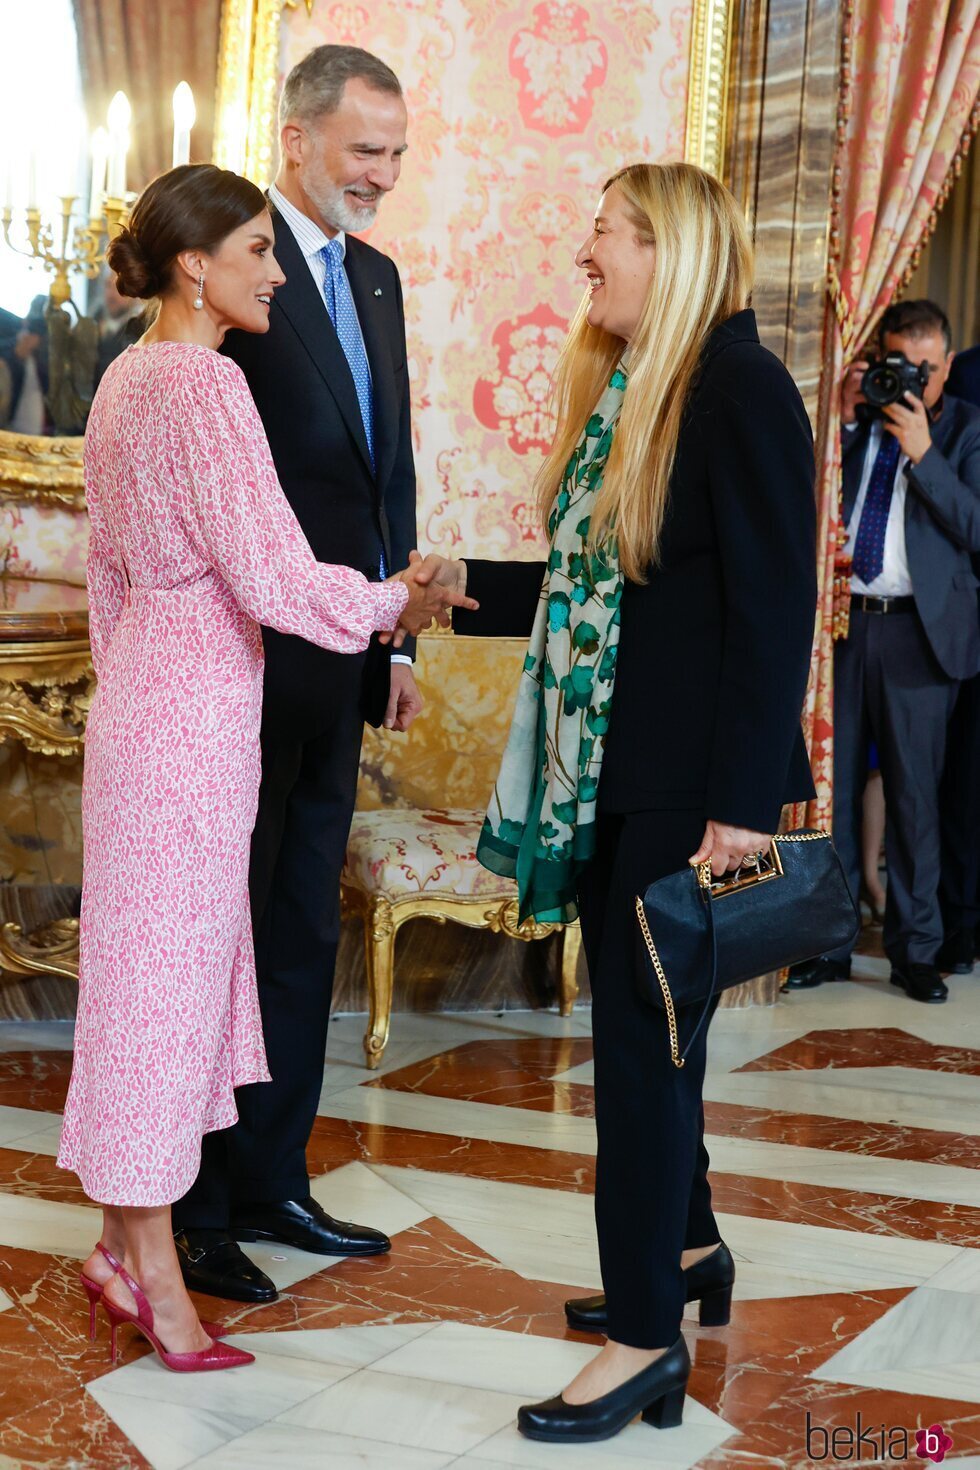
(46, 687)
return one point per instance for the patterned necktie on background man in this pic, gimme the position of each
(869, 544)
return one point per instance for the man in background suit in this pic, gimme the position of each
(960, 794)
(911, 504)
(331, 384)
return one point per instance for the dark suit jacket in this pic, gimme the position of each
(714, 648)
(306, 398)
(964, 379)
(942, 528)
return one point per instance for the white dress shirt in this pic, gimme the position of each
(311, 240)
(894, 579)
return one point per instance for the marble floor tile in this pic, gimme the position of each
(485, 1357)
(881, 1175)
(5, 1301)
(841, 1135)
(40, 1225)
(350, 1347)
(962, 1273)
(37, 1174)
(288, 1447)
(169, 1441)
(29, 1129)
(518, 1073)
(355, 1192)
(36, 1079)
(929, 1344)
(549, 1235)
(872, 1046)
(471, 1119)
(564, 1133)
(270, 1386)
(407, 1411)
(946, 1101)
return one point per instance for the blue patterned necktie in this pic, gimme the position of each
(343, 314)
(340, 304)
(869, 544)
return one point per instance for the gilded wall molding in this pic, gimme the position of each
(712, 30)
(43, 470)
(248, 78)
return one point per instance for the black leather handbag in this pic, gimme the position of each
(701, 935)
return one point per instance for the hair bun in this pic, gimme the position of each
(134, 274)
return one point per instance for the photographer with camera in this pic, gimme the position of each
(911, 505)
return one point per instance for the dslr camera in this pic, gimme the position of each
(887, 380)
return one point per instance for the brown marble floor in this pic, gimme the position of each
(856, 1230)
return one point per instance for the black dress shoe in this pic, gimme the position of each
(307, 1226)
(212, 1263)
(920, 982)
(957, 953)
(657, 1393)
(810, 973)
(709, 1281)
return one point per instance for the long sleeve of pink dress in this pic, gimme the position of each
(192, 546)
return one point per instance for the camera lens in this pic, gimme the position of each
(881, 385)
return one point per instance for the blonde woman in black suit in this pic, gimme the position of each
(658, 721)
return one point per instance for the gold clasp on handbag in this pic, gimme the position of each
(757, 869)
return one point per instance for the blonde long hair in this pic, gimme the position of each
(702, 276)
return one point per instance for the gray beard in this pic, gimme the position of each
(334, 208)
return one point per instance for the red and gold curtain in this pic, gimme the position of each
(144, 49)
(910, 83)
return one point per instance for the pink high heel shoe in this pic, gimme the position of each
(94, 1289)
(209, 1359)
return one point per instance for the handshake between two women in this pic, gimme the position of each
(435, 585)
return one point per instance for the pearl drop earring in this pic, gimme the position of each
(199, 299)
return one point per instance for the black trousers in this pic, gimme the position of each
(888, 687)
(306, 800)
(960, 814)
(652, 1196)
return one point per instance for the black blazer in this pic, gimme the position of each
(305, 395)
(942, 529)
(964, 378)
(714, 648)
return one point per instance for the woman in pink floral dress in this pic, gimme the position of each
(193, 545)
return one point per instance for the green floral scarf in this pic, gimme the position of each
(540, 828)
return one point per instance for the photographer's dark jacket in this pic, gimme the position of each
(714, 648)
(942, 530)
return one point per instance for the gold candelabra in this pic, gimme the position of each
(80, 250)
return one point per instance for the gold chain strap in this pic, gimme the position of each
(678, 1060)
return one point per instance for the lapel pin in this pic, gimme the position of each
(377, 290)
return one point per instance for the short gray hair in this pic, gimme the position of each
(316, 84)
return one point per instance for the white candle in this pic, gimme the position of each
(120, 114)
(100, 157)
(31, 180)
(184, 117)
(8, 187)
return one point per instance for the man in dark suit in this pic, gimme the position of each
(331, 384)
(911, 505)
(960, 795)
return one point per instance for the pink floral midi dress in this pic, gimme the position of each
(192, 546)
